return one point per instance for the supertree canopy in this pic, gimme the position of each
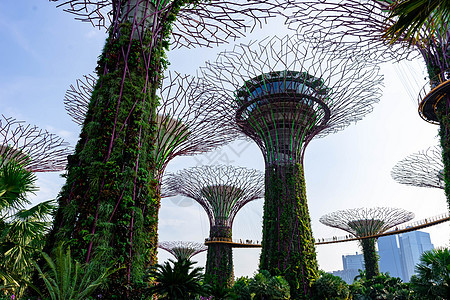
(364, 22)
(188, 120)
(422, 169)
(109, 204)
(363, 222)
(222, 191)
(183, 250)
(349, 21)
(283, 92)
(198, 23)
(36, 149)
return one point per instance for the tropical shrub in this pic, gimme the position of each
(433, 275)
(67, 279)
(240, 289)
(265, 286)
(382, 286)
(330, 287)
(21, 230)
(176, 280)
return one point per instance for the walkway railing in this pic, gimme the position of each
(339, 239)
(430, 86)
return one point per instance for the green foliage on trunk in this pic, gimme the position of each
(288, 244)
(444, 133)
(370, 258)
(219, 259)
(110, 201)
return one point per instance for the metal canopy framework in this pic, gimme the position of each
(283, 92)
(364, 22)
(37, 149)
(207, 23)
(183, 250)
(421, 169)
(221, 190)
(188, 121)
(366, 221)
(361, 22)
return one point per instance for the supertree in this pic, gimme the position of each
(36, 149)
(183, 250)
(222, 191)
(283, 92)
(422, 169)
(365, 22)
(111, 186)
(363, 222)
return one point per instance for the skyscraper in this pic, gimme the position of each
(400, 254)
(352, 264)
(412, 244)
(389, 254)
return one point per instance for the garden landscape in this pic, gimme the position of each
(195, 149)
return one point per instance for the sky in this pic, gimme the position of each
(43, 50)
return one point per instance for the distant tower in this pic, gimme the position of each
(362, 222)
(282, 93)
(364, 23)
(412, 245)
(183, 250)
(422, 169)
(222, 191)
(36, 149)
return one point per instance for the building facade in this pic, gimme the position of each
(401, 253)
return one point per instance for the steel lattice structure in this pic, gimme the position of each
(366, 221)
(222, 191)
(206, 23)
(349, 21)
(422, 169)
(282, 93)
(364, 22)
(331, 91)
(362, 222)
(183, 250)
(189, 120)
(37, 149)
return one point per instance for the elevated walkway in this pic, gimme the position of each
(239, 243)
(429, 99)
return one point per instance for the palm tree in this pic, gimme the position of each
(433, 275)
(15, 184)
(176, 280)
(21, 230)
(414, 17)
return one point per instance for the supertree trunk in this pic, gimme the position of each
(370, 258)
(109, 204)
(444, 133)
(288, 244)
(219, 260)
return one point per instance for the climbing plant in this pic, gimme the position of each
(370, 258)
(110, 201)
(444, 133)
(288, 244)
